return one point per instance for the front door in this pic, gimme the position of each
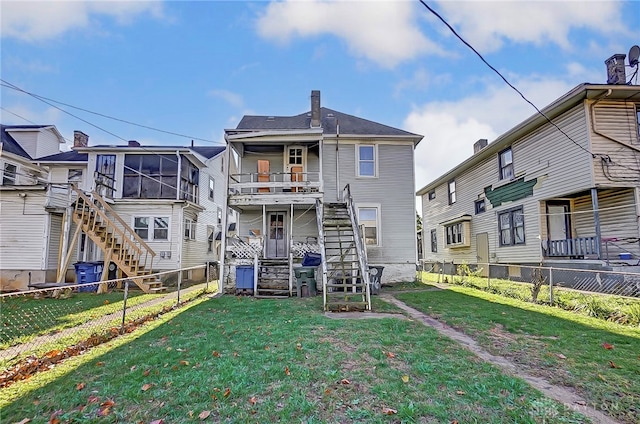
(558, 223)
(482, 247)
(276, 235)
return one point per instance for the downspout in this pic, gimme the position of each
(337, 160)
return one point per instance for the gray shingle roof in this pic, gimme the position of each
(70, 156)
(349, 124)
(208, 151)
(10, 145)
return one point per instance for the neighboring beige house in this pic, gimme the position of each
(562, 193)
(299, 177)
(140, 209)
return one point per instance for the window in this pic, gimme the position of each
(74, 176)
(434, 241)
(105, 174)
(366, 160)
(452, 192)
(210, 238)
(220, 216)
(506, 164)
(212, 184)
(369, 219)
(511, 227)
(150, 176)
(151, 228)
(457, 233)
(9, 174)
(189, 229)
(480, 206)
(432, 195)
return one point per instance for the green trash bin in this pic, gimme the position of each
(305, 281)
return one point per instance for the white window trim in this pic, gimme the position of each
(151, 228)
(189, 232)
(211, 196)
(286, 165)
(375, 160)
(378, 221)
(15, 176)
(465, 222)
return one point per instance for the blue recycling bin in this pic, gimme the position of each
(244, 278)
(311, 259)
(87, 273)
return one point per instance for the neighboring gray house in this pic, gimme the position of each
(141, 208)
(539, 194)
(291, 169)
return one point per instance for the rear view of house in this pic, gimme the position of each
(321, 182)
(564, 192)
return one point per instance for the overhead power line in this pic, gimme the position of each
(46, 100)
(466, 43)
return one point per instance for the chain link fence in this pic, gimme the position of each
(69, 318)
(605, 294)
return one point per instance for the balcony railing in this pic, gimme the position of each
(274, 182)
(575, 247)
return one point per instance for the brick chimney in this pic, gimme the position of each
(615, 69)
(479, 145)
(315, 108)
(80, 139)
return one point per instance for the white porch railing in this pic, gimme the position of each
(580, 246)
(274, 182)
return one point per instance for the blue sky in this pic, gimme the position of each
(195, 67)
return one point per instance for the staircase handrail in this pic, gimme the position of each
(319, 214)
(123, 233)
(360, 247)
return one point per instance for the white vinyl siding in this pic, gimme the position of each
(393, 190)
(541, 154)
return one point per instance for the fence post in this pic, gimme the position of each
(124, 304)
(551, 285)
(206, 276)
(179, 283)
(488, 275)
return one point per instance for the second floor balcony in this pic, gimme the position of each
(258, 188)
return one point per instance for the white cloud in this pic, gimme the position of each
(420, 81)
(233, 99)
(451, 127)
(385, 32)
(39, 20)
(487, 24)
(19, 114)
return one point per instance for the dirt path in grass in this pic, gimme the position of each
(97, 324)
(561, 394)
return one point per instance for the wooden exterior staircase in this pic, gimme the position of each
(345, 272)
(274, 278)
(117, 240)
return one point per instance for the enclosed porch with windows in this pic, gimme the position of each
(600, 224)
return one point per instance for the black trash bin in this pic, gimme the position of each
(375, 278)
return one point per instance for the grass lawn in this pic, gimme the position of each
(564, 347)
(234, 359)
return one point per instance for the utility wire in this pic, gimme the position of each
(42, 98)
(593, 155)
(503, 77)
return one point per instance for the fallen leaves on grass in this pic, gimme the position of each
(286, 371)
(25, 421)
(204, 415)
(146, 372)
(160, 421)
(146, 387)
(80, 386)
(216, 354)
(607, 346)
(185, 363)
(227, 392)
(561, 356)
(613, 365)
(460, 392)
(389, 411)
(345, 381)
(253, 400)
(390, 354)
(405, 378)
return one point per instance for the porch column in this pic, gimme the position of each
(222, 277)
(596, 220)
